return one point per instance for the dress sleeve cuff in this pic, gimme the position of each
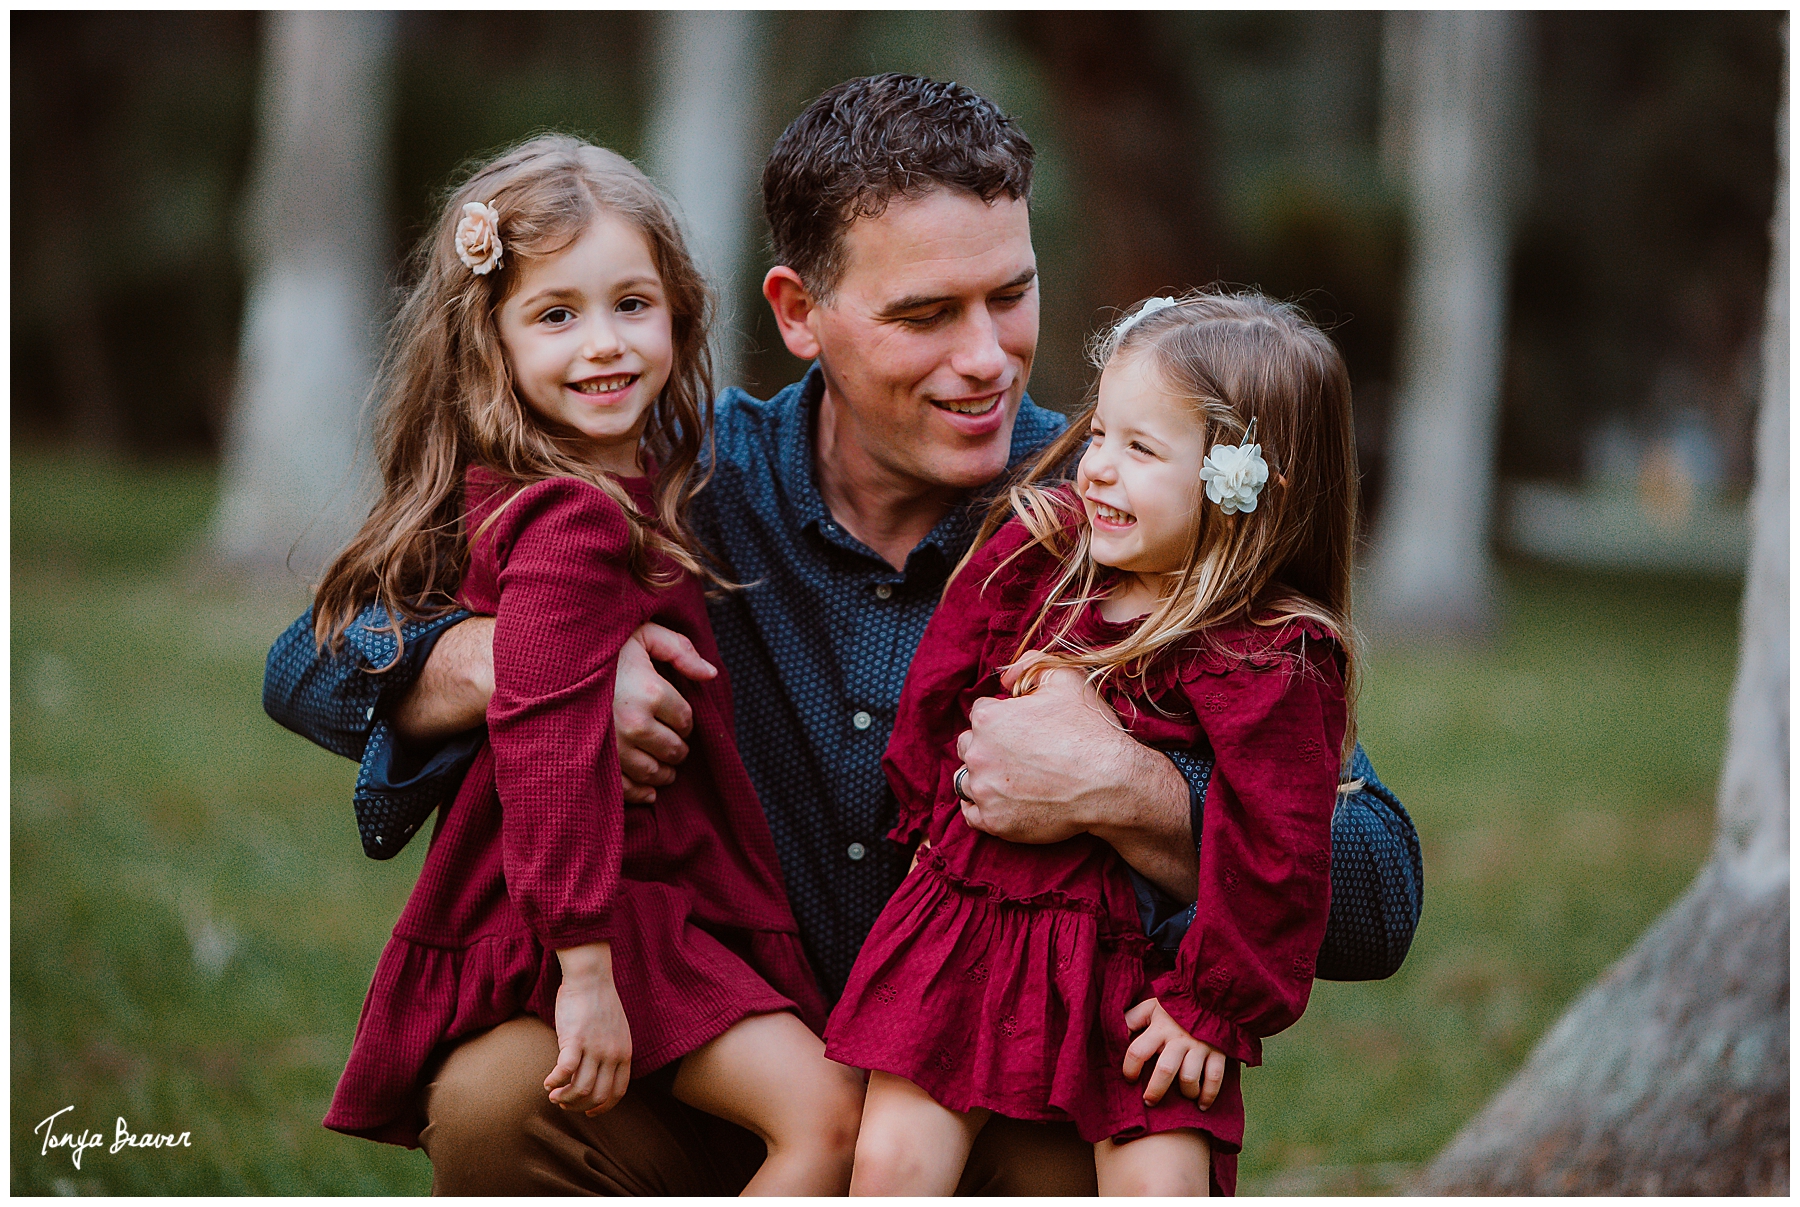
(1204, 1025)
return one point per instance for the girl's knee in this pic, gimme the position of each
(824, 1114)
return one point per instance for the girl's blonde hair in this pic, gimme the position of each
(445, 392)
(1233, 359)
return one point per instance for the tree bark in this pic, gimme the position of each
(315, 224)
(1453, 104)
(702, 149)
(1670, 1075)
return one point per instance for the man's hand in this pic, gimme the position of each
(650, 717)
(1055, 762)
(1197, 1066)
(453, 690)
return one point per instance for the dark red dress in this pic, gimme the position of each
(999, 974)
(539, 851)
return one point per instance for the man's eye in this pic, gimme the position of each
(925, 320)
(1008, 299)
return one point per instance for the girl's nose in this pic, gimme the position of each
(602, 342)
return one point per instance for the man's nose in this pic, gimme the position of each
(978, 354)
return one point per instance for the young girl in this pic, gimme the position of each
(545, 400)
(1206, 595)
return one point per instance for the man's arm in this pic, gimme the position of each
(1055, 763)
(345, 703)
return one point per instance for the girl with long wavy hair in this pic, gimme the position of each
(543, 406)
(1197, 572)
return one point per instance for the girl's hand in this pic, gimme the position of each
(593, 1040)
(1199, 1067)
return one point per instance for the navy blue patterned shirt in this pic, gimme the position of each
(817, 646)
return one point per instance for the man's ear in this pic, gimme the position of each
(794, 311)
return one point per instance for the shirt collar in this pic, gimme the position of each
(797, 459)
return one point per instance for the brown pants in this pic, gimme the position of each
(491, 1129)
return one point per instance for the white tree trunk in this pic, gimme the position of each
(315, 223)
(703, 150)
(1453, 114)
(1670, 1074)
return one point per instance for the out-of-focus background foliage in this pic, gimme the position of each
(193, 923)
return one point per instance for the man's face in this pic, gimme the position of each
(927, 340)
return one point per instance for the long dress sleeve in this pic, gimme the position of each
(975, 613)
(565, 611)
(1276, 722)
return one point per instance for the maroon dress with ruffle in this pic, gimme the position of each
(999, 974)
(539, 851)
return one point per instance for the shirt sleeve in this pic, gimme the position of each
(1245, 968)
(343, 701)
(921, 755)
(567, 606)
(1377, 881)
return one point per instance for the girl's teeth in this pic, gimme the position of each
(604, 387)
(1112, 514)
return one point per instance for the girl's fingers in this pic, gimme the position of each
(1139, 1016)
(1163, 1076)
(567, 1061)
(1215, 1077)
(582, 1091)
(1142, 1049)
(1193, 1069)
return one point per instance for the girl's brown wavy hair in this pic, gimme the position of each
(1232, 359)
(445, 399)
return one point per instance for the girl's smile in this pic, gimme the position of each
(588, 336)
(1139, 479)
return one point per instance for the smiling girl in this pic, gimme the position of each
(1197, 571)
(544, 403)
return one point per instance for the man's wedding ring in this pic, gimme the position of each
(956, 784)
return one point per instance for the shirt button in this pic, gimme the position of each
(857, 850)
(884, 591)
(370, 715)
(862, 720)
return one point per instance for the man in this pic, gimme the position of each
(899, 209)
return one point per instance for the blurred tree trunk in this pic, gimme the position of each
(703, 149)
(1454, 130)
(1670, 1075)
(315, 223)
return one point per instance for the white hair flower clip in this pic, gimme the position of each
(1143, 312)
(1235, 474)
(478, 238)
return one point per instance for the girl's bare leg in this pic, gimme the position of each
(1167, 1164)
(769, 1074)
(909, 1143)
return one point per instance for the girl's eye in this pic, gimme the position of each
(1137, 447)
(633, 305)
(556, 315)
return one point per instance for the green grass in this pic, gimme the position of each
(194, 924)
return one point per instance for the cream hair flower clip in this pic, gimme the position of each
(1143, 312)
(478, 238)
(1235, 474)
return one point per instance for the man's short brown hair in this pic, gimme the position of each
(866, 141)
